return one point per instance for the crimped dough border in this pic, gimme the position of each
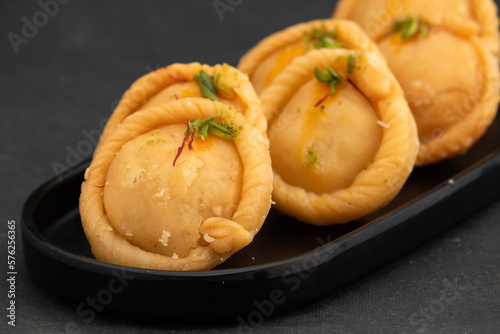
(484, 23)
(253, 148)
(382, 180)
(459, 138)
(155, 81)
(347, 32)
(483, 34)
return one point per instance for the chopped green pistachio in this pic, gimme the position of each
(411, 27)
(322, 38)
(332, 84)
(220, 82)
(329, 76)
(335, 74)
(313, 158)
(351, 63)
(230, 126)
(322, 76)
(326, 41)
(208, 93)
(201, 128)
(206, 85)
(424, 31)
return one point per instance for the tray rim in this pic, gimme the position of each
(32, 233)
(237, 295)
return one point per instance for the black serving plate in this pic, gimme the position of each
(288, 265)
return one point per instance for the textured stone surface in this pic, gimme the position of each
(66, 79)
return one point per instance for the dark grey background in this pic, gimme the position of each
(68, 76)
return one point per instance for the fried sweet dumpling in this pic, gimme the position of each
(444, 55)
(178, 186)
(343, 140)
(269, 57)
(177, 81)
(467, 17)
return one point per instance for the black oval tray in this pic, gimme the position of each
(288, 265)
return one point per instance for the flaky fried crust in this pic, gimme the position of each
(219, 237)
(482, 19)
(379, 183)
(346, 32)
(146, 87)
(478, 25)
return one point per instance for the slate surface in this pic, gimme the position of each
(65, 80)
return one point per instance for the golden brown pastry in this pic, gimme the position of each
(466, 17)
(176, 81)
(343, 140)
(270, 56)
(445, 56)
(177, 186)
